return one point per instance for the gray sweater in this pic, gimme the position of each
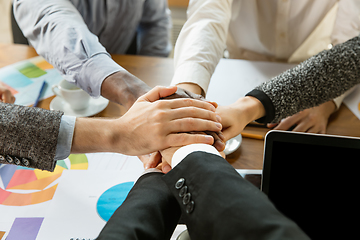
(319, 79)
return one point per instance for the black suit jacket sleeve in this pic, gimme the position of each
(225, 206)
(150, 212)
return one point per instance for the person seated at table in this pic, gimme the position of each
(322, 77)
(36, 138)
(201, 181)
(283, 31)
(214, 200)
(77, 36)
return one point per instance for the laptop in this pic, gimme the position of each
(313, 179)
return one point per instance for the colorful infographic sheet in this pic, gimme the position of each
(25, 79)
(29, 196)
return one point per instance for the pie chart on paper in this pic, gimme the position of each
(112, 198)
(20, 186)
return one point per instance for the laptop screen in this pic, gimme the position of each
(312, 179)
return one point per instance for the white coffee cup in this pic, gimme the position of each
(77, 98)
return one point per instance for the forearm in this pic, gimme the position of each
(123, 88)
(319, 79)
(58, 33)
(201, 42)
(96, 135)
(29, 133)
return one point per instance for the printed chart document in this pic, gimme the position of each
(26, 194)
(25, 78)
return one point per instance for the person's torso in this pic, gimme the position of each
(273, 30)
(114, 21)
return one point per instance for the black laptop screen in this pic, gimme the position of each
(313, 181)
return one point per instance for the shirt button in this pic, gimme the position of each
(186, 198)
(9, 159)
(180, 183)
(190, 207)
(183, 191)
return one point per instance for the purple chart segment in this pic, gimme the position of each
(25, 229)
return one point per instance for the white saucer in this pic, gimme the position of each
(96, 105)
(233, 144)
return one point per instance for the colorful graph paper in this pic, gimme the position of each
(37, 185)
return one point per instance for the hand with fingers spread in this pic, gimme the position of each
(160, 124)
(312, 120)
(236, 116)
(5, 95)
(150, 125)
(219, 142)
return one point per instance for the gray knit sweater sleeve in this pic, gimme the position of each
(28, 136)
(319, 79)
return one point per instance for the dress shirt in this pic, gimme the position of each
(255, 30)
(66, 133)
(75, 36)
(184, 151)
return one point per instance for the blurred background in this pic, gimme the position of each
(177, 7)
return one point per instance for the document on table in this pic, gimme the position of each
(25, 79)
(234, 78)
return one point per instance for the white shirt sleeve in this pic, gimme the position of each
(201, 42)
(183, 152)
(58, 33)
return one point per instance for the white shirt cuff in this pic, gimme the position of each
(182, 152)
(192, 72)
(64, 141)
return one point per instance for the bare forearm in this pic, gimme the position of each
(123, 88)
(94, 135)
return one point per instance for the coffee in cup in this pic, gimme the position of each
(77, 98)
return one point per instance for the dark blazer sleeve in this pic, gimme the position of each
(28, 136)
(149, 212)
(219, 204)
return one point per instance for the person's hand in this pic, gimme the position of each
(5, 95)
(219, 142)
(312, 120)
(152, 124)
(236, 116)
(192, 87)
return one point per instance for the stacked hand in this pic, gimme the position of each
(158, 124)
(149, 125)
(5, 95)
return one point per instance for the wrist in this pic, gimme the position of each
(249, 108)
(192, 87)
(123, 88)
(93, 135)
